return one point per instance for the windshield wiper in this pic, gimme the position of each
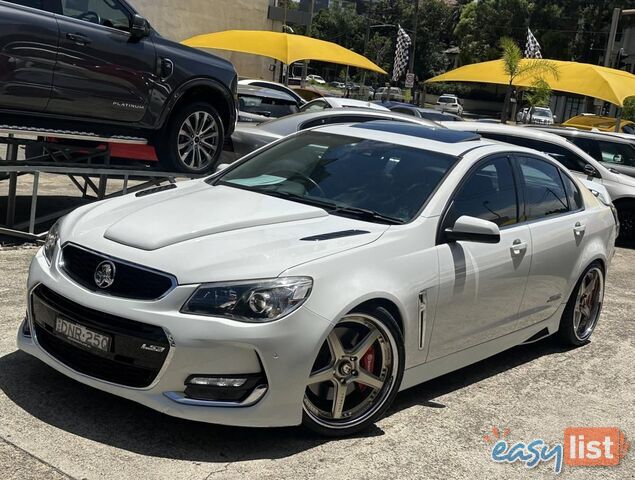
(365, 214)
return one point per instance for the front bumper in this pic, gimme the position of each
(284, 350)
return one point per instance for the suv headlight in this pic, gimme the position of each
(250, 301)
(51, 242)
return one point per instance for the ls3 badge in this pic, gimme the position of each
(152, 348)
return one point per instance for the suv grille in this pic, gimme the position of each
(126, 363)
(130, 281)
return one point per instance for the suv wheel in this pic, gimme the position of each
(193, 140)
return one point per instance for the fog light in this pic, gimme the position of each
(217, 381)
(223, 388)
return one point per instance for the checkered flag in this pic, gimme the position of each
(402, 53)
(532, 48)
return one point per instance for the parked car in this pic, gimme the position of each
(338, 85)
(316, 79)
(338, 102)
(539, 116)
(420, 112)
(257, 104)
(389, 93)
(620, 187)
(247, 138)
(273, 86)
(614, 152)
(454, 249)
(588, 121)
(450, 103)
(99, 67)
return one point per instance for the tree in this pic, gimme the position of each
(515, 66)
(539, 94)
(629, 109)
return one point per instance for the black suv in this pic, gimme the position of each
(97, 66)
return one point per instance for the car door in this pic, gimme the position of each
(557, 222)
(101, 72)
(481, 284)
(28, 49)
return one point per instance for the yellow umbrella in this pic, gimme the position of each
(287, 48)
(608, 84)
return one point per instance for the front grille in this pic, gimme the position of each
(130, 281)
(126, 363)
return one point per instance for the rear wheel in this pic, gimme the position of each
(584, 307)
(356, 375)
(626, 215)
(193, 139)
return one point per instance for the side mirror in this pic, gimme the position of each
(590, 171)
(472, 229)
(222, 166)
(140, 27)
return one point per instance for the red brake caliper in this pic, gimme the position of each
(367, 363)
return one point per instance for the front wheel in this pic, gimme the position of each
(193, 139)
(626, 215)
(356, 375)
(583, 308)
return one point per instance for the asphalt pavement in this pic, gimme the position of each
(54, 428)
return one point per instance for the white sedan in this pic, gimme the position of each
(317, 277)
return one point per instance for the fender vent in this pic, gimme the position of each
(333, 235)
(150, 191)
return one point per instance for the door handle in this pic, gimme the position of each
(78, 38)
(518, 248)
(579, 229)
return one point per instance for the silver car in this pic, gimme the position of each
(247, 138)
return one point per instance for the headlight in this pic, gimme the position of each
(258, 301)
(51, 241)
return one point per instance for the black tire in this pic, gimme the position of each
(171, 138)
(626, 216)
(569, 334)
(391, 336)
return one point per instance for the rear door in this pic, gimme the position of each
(28, 48)
(481, 284)
(101, 71)
(557, 222)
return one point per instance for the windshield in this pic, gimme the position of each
(542, 112)
(348, 176)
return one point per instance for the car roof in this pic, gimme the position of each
(435, 139)
(339, 102)
(574, 132)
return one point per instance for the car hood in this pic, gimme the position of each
(203, 233)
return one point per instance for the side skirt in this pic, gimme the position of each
(440, 366)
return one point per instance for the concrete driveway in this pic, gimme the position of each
(52, 427)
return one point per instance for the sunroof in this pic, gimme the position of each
(438, 134)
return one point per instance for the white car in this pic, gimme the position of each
(338, 102)
(316, 79)
(539, 116)
(314, 279)
(450, 103)
(621, 188)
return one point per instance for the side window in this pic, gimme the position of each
(588, 146)
(618, 153)
(562, 155)
(405, 111)
(544, 191)
(488, 193)
(39, 4)
(109, 13)
(573, 193)
(315, 106)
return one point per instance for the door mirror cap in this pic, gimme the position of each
(591, 171)
(140, 27)
(472, 229)
(221, 167)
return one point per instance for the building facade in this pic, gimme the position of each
(179, 20)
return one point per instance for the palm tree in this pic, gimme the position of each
(516, 66)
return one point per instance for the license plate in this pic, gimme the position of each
(82, 335)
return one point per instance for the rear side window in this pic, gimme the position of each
(489, 193)
(268, 107)
(545, 194)
(573, 193)
(405, 111)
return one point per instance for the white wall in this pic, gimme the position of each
(181, 19)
